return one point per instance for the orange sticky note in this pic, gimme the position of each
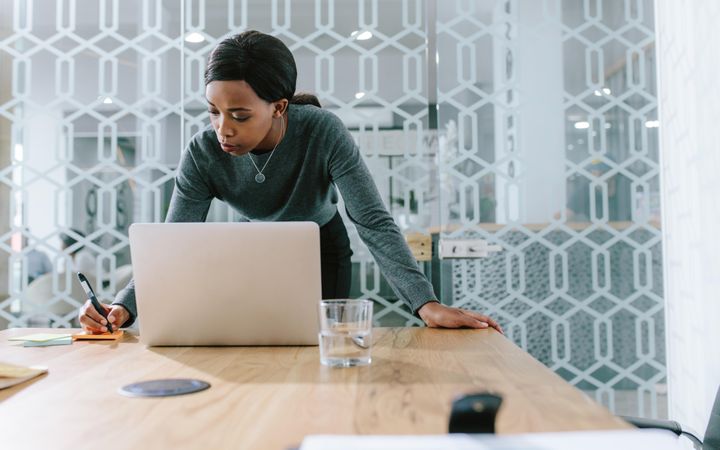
(117, 334)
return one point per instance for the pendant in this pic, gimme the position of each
(259, 178)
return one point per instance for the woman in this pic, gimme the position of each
(275, 156)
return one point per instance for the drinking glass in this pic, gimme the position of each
(345, 332)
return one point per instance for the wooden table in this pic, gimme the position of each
(271, 397)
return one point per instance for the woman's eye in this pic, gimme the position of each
(213, 113)
(241, 119)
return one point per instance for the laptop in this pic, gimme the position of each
(206, 284)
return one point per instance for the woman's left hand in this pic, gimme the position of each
(436, 315)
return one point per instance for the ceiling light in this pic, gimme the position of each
(607, 91)
(597, 93)
(359, 95)
(582, 125)
(652, 124)
(361, 35)
(194, 38)
(106, 100)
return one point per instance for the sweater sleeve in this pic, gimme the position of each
(375, 226)
(190, 202)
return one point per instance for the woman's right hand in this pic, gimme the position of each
(93, 322)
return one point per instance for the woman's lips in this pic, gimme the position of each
(229, 148)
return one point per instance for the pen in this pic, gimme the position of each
(93, 299)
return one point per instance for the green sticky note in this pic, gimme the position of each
(61, 341)
(40, 337)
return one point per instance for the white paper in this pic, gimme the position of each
(580, 440)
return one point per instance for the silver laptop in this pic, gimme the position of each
(254, 283)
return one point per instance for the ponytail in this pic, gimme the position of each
(303, 98)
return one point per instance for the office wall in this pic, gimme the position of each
(689, 94)
(5, 126)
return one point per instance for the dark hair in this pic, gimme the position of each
(68, 240)
(261, 60)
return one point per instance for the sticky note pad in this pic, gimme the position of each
(40, 337)
(117, 334)
(62, 341)
(10, 374)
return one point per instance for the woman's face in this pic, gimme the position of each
(242, 121)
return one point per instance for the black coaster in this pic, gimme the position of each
(164, 388)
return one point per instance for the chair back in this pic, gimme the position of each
(43, 296)
(712, 432)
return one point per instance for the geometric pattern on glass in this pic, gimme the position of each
(549, 148)
(95, 113)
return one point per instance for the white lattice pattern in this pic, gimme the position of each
(578, 285)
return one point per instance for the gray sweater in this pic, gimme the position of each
(316, 155)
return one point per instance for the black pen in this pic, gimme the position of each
(93, 299)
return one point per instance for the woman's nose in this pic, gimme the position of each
(224, 128)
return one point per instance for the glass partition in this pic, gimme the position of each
(547, 121)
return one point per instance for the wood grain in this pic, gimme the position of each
(420, 245)
(271, 397)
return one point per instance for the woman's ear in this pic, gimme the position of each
(280, 107)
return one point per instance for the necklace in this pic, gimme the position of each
(260, 178)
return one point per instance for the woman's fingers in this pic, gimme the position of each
(89, 324)
(454, 318)
(93, 314)
(479, 316)
(474, 323)
(118, 316)
(436, 315)
(484, 318)
(92, 320)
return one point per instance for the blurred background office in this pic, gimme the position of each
(528, 124)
